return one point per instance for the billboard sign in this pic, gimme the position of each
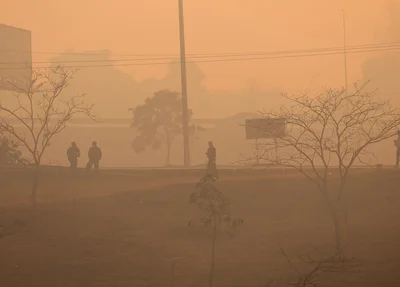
(265, 128)
(15, 56)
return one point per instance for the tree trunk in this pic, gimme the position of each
(35, 186)
(173, 275)
(168, 153)
(337, 226)
(211, 278)
(345, 211)
(338, 232)
(168, 141)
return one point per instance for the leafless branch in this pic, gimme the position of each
(316, 268)
(41, 110)
(332, 129)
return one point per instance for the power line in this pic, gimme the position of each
(219, 60)
(358, 47)
(198, 55)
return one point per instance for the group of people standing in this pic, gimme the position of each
(94, 154)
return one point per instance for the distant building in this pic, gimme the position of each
(15, 57)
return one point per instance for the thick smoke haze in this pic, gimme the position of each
(277, 167)
(151, 27)
(383, 69)
(89, 30)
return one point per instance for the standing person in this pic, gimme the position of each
(73, 153)
(212, 157)
(95, 156)
(397, 144)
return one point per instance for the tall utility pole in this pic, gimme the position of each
(185, 112)
(345, 51)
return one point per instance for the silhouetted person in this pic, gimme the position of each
(397, 144)
(73, 153)
(212, 157)
(94, 155)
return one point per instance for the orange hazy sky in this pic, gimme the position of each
(212, 26)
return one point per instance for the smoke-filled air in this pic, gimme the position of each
(200, 143)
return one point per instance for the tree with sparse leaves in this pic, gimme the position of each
(159, 121)
(330, 132)
(42, 112)
(217, 214)
(9, 152)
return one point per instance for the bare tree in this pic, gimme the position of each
(41, 113)
(331, 130)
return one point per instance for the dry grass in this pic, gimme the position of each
(126, 229)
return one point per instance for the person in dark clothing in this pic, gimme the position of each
(212, 157)
(73, 153)
(95, 156)
(397, 144)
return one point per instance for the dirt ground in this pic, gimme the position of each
(131, 228)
